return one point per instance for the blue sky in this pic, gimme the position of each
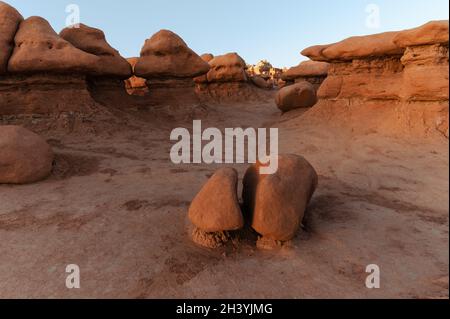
(276, 30)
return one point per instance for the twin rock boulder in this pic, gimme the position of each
(273, 205)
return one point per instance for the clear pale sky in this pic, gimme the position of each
(276, 30)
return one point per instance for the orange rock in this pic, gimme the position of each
(276, 204)
(93, 41)
(299, 95)
(363, 47)
(25, 157)
(207, 57)
(10, 19)
(39, 49)
(306, 69)
(216, 207)
(136, 85)
(315, 52)
(166, 55)
(261, 83)
(227, 68)
(433, 32)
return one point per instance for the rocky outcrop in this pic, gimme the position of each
(25, 157)
(395, 82)
(93, 41)
(46, 74)
(49, 75)
(227, 81)
(10, 19)
(313, 72)
(170, 66)
(39, 49)
(263, 69)
(166, 55)
(295, 96)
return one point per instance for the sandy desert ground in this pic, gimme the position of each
(117, 206)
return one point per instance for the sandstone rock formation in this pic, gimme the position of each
(263, 69)
(227, 81)
(298, 95)
(216, 208)
(261, 82)
(106, 81)
(166, 55)
(207, 57)
(275, 204)
(136, 85)
(50, 75)
(10, 19)
(395, 82)
(310, 71)
(24, 158)
(46, 74)
(93, 41)
(39, 49)
(227, 68)
(170, 66)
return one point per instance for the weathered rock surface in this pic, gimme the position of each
(275, 204)
(216, 206)
(39, 49)
(314, 72)
(25, 157)
(261, 83)
(299, 95)
(136, 85)
(93, 41)
(395, 82)
(227, 68)
(10, 19)
(166, 55)
(44, 94)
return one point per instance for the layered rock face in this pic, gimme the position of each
(314, 72)
(46, 74)
(395, 82)
(227, 80)
(106, 79)
(170, 66)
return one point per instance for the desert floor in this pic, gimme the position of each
(117, 206)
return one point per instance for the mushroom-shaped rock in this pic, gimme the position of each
(38, 48)
(24, 156)
(216, 207)
(275, 204)
(93, 41)
(227, 68)
(433, 32)
(10, 19)
(298, 95)
(166, 55)
(306, 69)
